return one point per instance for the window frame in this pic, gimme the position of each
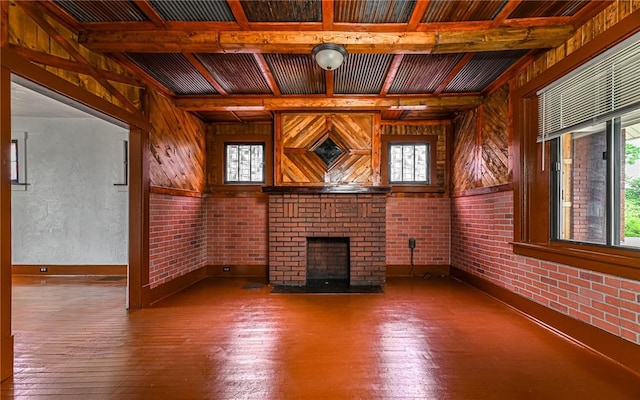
(17, 162)
(532, 219)
(217, 181)
(418, 187)
(20, 138)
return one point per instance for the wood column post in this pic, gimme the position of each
(138, 219)
(6, 337)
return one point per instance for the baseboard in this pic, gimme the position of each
(174, 286)
(619, 350)
(110, 270)
(237, 271)
(417, 270)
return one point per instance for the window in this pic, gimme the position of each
(592, 118)
(244, 163)
(409, 163)
(596, 183)
(14, 161)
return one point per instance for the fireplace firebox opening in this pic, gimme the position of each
(328, 261)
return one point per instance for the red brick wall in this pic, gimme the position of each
(482, 226)
(294, 217)
(428, 220)
(177, 237)
(237, 231)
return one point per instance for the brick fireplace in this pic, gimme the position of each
(295, 216)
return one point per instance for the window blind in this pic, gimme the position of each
(606, 87)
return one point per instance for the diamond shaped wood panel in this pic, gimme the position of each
(299, 159)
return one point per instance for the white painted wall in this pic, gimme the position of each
(71, 213)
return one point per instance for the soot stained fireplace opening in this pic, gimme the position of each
(328, 261)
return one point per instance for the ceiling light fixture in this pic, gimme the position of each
(329, 56)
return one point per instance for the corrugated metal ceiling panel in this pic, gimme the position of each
(173, 71)
(535, 8)
(373, 11)
(193, 10)
(422, 73)
(283, 10)
(296, 73)
(456, 11)
(102, 11)
(362, 73)
(236, 73)
(483, 69)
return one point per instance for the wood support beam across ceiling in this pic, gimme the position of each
(449, 41)
(253, 103)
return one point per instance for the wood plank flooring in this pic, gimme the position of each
(420, 339)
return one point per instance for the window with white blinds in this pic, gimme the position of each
(604, 88)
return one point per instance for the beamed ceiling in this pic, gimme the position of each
(239, 61)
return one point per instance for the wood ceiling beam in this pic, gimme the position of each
(452, 74)
(205, 73)
(238, 13)
(391, 74)
(255, 103)
(266, 73)
(453, 41)
(416, 16)
(327, 15)
(329, 79)
(136, 70)
(505, 12)
(150, 13)
(47, 59)
(36, 15)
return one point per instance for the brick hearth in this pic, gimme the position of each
(294, 217)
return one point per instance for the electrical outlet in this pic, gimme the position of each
(226, 269)
(44, 269)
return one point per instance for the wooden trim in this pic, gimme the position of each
(619, 262)
(22, 67)
(139, 184)
(391, 74)
(110, 270)
(418, 270)
(505, 187)
(220, 141)
(619, 350)
(505, 12)
(150, 13)
(175, 285)
(175, 192)
(6, 337)
(327, 14)
(430, 122)
(384, 163)
(4, 23)
(238, 13)
(238, 271)
(266, 73)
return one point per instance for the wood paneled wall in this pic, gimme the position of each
(300, 134)
(428, 128)
(25, 35)
(177, 144)
(617, 11)
(465, 140)
(481, 143)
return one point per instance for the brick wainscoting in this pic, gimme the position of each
(294, 217)
(237, 231)
(177, 238)
(428, 220)
(482, 227)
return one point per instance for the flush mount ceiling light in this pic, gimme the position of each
(329, 56)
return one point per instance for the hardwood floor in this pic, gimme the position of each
(421, 339)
